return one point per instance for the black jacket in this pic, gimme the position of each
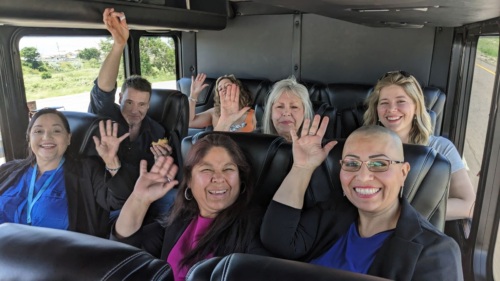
(415, 251)
(91, 192)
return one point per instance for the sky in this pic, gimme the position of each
(53, 45)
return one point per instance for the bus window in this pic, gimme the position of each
(60, 71)
(158, 63)
(479, 107)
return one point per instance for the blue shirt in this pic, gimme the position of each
(51, 210)
(353, 252)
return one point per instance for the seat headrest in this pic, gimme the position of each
(243, 267)
(83, 126)
(38, 253)
(340, 96)
(170, 108)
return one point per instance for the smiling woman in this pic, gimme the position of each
(210, 216)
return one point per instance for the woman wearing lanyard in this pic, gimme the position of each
(53, 189)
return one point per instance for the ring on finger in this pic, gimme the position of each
(168, 179)
(311, 134)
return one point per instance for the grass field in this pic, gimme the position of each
(78, 77)
(66, 82)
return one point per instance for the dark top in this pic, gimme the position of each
(159, 240)
(130, 153)
(415, 251)
(91, 191)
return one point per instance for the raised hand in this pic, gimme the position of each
(307, 150)
(230, 110)
(152, 185)
(107, 146)
(197, 85)
(116, 23)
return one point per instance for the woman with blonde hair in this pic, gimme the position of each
(287, 106)
(397, 103)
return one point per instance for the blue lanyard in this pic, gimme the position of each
(31, 200)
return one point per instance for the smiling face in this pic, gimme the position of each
(373, 192)
(287, 113)
(134, 105)
(215, 182)
(48, 139)
(396, 110)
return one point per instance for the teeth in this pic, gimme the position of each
(393, 118)
(366, 191)
(47, 145)
(217, 191)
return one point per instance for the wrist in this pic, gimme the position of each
(191, 99)
(113, 166)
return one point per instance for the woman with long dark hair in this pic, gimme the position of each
(210, 216)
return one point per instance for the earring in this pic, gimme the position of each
(343, 193)
(186, 194)
(401, 192)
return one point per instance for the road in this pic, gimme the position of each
(477, 124)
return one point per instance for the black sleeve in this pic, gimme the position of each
(102, 103)
(109, 192)
(149, 238)
(288, 232)
(440, 261)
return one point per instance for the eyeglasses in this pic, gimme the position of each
(402, 72)
(375, 165)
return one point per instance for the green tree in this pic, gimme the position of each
(156, 56)
(89, 53)
(31, 57)
(105, 45)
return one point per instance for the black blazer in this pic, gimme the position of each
(415, 251)
(91, 192)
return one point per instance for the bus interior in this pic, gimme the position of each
(338, 49)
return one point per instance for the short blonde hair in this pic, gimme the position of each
(289, 85)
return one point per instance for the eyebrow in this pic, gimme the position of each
(369, 157)
(377, 156)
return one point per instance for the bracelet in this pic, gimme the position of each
(192, 99)
(113, 170)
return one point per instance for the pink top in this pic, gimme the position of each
(188, 240)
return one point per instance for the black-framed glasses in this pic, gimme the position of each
(402, 72)
(374, 165)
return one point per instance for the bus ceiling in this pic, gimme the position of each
(141, 14)
(213, 15)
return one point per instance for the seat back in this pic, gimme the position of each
(426, 185)
(243, 267)
(38, 253)
(435, 100)
(83, 126)
(340, 96)
(170, 108)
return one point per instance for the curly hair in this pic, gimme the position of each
(245, 96)
(421, 128)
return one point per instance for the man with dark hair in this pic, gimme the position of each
(145, 133)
